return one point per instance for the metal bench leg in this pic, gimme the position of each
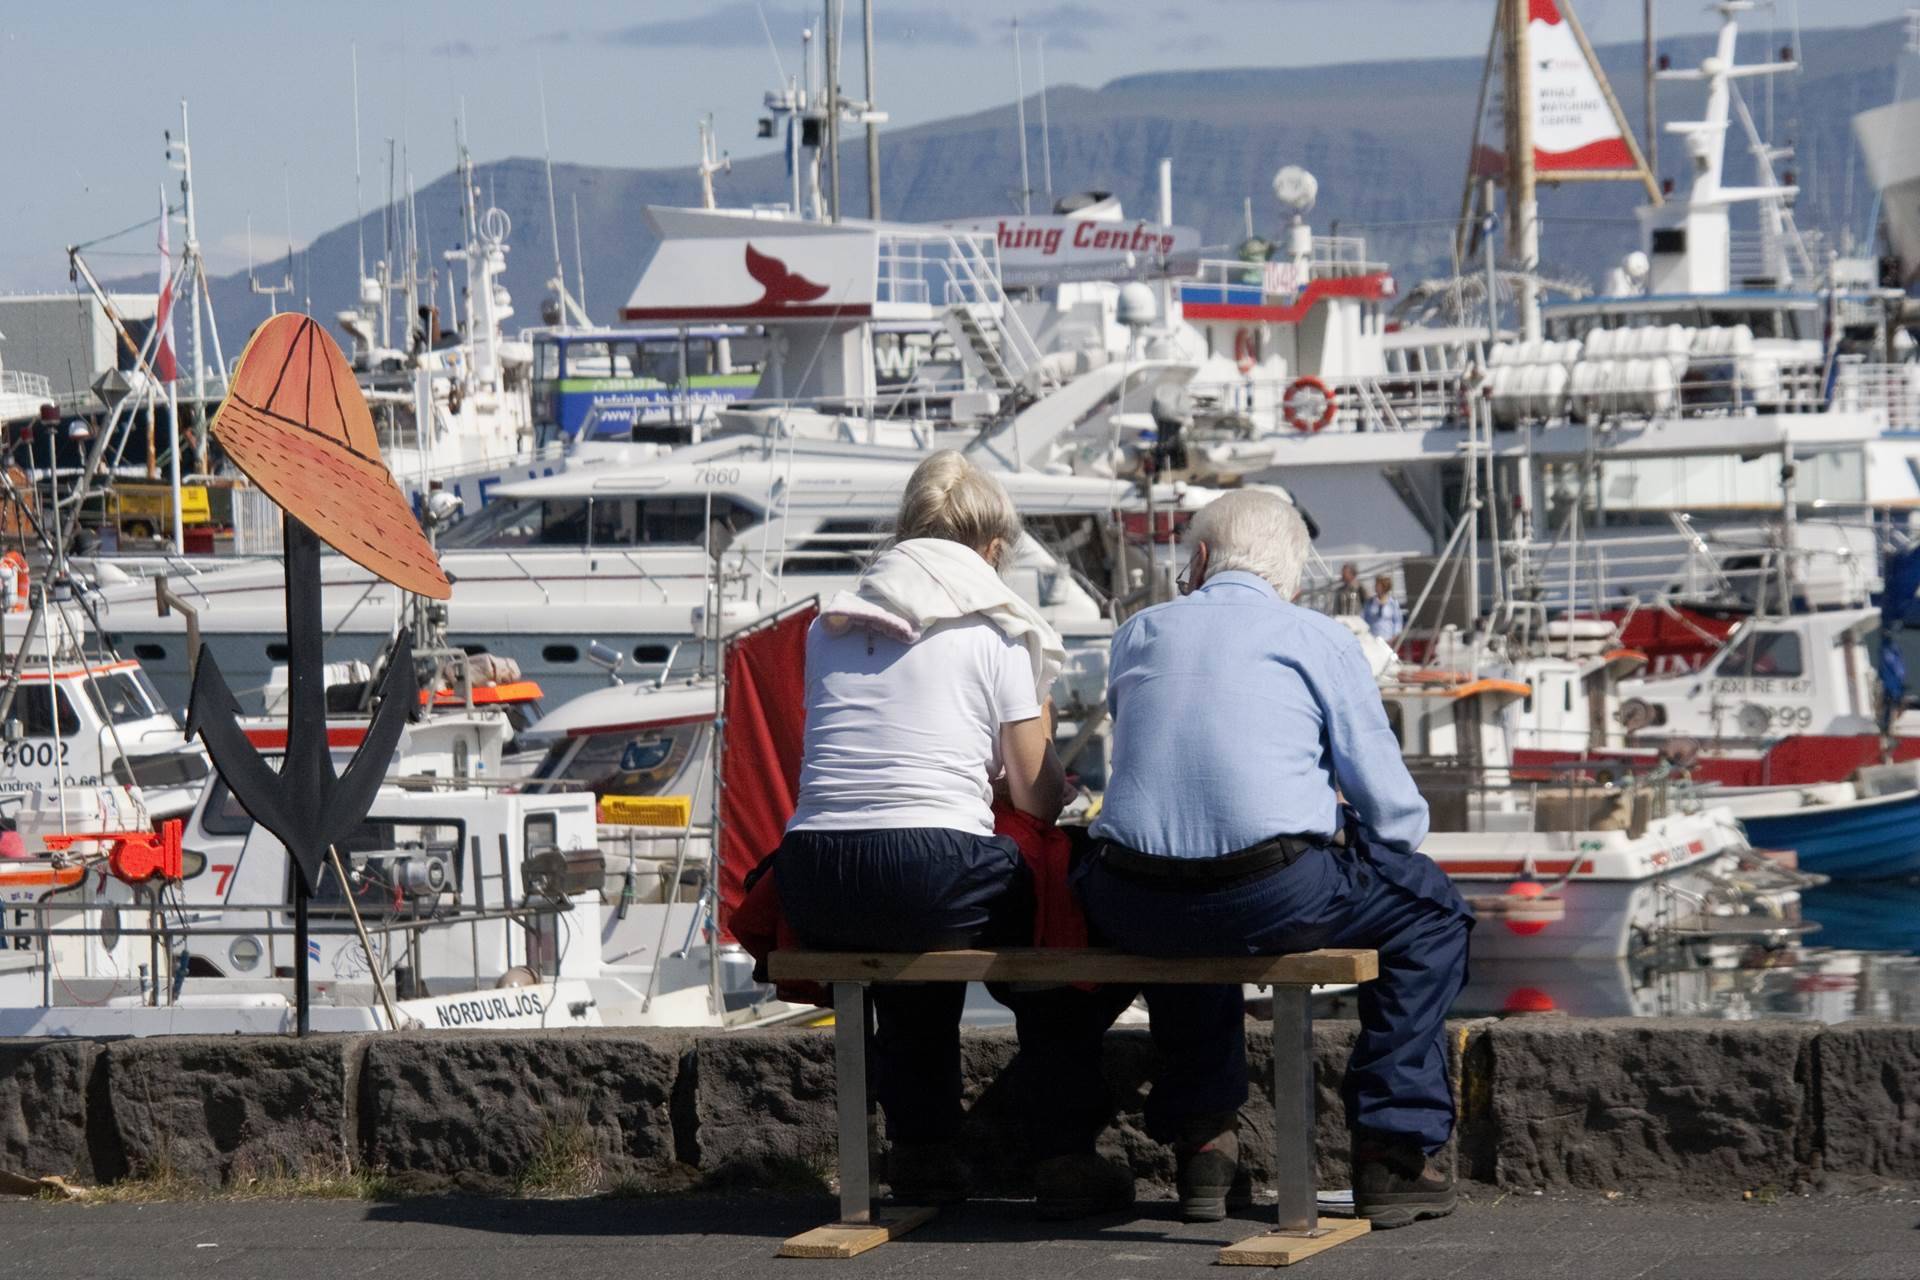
(1293, 1136)
(850, 1066)
(1299, 1233)
(859, 1228)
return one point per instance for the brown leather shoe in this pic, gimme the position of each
(1396, 1183)
(1207, 1164)
(1080, 1186)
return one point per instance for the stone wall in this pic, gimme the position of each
(1546, 1103)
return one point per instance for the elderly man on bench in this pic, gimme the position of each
(1240, 723)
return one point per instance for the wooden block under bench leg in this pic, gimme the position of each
(850, 1239)
(1284, 1248)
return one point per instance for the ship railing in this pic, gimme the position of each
(16, 383)
(1393, 402)
(1886, 389)
(1612, 572)
(1578, 796)
(1333, 257)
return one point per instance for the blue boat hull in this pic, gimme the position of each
(1860, 840)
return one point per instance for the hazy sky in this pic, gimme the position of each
(91, 86)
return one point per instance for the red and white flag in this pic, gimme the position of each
(163, 363)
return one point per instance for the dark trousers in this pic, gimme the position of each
(1396, 1082)
(921, 889)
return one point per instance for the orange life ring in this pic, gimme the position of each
(1294, 405)
(1246, 350)
(15, 563)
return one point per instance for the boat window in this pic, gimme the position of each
(161, 769)
(376, 854)
(546, 359)
(33, 711)
(522, 522)
(223, 815)
(628, 762)
(683, 522)
(540, 832)
(119, 697)
(1762, 655)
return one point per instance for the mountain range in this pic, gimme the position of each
(1388, 142)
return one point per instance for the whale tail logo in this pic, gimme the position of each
(781, 285)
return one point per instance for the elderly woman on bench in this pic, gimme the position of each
(1240, 724)
(924, 683)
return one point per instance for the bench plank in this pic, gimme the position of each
(1037, 964)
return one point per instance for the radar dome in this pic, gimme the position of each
(1135, 307)
(1296, 188)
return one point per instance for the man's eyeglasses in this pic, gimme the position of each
(1184, 583)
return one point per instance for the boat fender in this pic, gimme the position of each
(15, 582)
(1308, 404)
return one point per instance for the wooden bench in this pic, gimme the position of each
(1298, 1234)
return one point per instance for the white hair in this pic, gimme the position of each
(1256, 531)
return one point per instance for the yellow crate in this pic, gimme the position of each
(646, 811)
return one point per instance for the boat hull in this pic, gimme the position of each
(1864, 840)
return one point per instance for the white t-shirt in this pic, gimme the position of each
(903, 735)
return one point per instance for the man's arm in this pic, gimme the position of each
(1366, 756)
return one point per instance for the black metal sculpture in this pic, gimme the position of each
(295, 421)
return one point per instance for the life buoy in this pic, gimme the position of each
(1299, 404)
(1246, 350)
(14, 565)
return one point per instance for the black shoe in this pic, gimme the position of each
(1207, 1163)
(1080, 1186)
(1395, 1183)
(927, 1173)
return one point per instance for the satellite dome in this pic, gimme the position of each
(1136, 306)
(1296, 188)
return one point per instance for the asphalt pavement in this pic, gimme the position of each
(1873, 1236)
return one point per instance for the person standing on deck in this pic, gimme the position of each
(1348, 599)
(1383, 614)
(1240, 723)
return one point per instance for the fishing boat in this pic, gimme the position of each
(1865, 828)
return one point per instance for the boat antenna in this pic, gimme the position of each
(359, 208)
(1020, 116)
(772, 47)
(579, 263)
(553, 217)
(1046, 137)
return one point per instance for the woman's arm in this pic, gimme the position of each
(1035, 778)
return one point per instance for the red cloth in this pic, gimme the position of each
(760, 926)
(766, 721)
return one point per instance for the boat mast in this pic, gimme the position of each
(831, 79)
(1523, 212)
(1652, 83)
(1020, 116)
(872, 115)
(181, 154)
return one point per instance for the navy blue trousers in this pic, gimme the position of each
(929, 888)
(1400, 904)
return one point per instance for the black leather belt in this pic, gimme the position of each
(1240, 866)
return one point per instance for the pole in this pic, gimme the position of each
(173, 466)
(1523, 214)
(832, 90)
(198, 299)
(873, 123)
(1653, 116)
(1046, 135)
(1489, 223)
(1020, 117)
(302, 1002)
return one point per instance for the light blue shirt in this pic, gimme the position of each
(1385, 618)
(1235, 717)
